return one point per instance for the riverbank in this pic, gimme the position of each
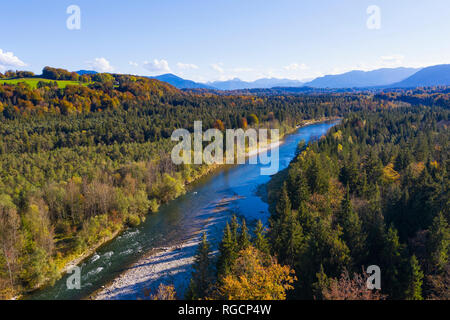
(170, 265)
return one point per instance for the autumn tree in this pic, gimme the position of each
(218, 124)
(347, 288)
(164, 292)
(250, 279)
(252, 119)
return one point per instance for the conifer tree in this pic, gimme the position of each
(393, 262)
(414, 289)
(202, 274)
(292, 240)
(234, 226)
(244, 238)
(438, 244)
(353, 236)
(259, 241)
(227, 253)
(286, 233)
(284, 203)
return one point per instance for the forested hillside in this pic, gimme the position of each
(79, 162)
(374, 191)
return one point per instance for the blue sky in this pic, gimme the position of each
(222, 39)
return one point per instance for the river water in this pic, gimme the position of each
(179, 219)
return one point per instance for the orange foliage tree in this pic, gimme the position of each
(346, 288)
(253, 278)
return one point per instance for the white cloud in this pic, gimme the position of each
(101, 65)
(157, 66)
(8, 59)
(132, 63)
(186, 66)
(295, 67)
(218, 67)
(394, 59)
(241, 70)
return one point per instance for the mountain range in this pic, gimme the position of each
(380, 78)
(359, 79)
(264, 83)
(181, 83)
(438, 75)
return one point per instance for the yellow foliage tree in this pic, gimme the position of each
(251, 278)
(389, 174)
(218, 124)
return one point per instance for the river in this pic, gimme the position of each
(209, 202)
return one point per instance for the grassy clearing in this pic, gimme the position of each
(34, 81)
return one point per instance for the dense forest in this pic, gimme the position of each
(374, 191)
(80, 161)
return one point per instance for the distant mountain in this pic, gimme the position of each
(81, 72)
(237, 84)
(381, 78)
(429, 76)
(181, 83)
(360, 79)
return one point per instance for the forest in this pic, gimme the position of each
(81, 162)
(374, 191)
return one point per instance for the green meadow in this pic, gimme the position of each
(34, 81)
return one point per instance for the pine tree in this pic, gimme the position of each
(375, 226)
(283, 203)
(414, 289)
(438, 244)
(234, 226)
(321, 284)
(227, 253)
(286, 233)
(318, 178)
(244, 238)
(292, 240)
(259, 241)
(393, 265)
(353, 236)
(202, 274)
(298, 185)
